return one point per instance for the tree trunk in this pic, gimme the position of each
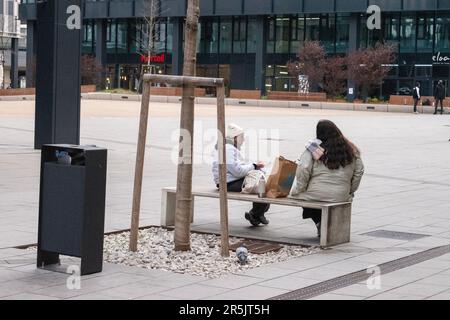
(184, 178)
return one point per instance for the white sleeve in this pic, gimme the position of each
(234, 166)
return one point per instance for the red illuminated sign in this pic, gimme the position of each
(161, 58)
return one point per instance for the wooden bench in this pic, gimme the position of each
(336, 217)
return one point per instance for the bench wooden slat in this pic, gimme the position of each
(336, 217)
(213, 193)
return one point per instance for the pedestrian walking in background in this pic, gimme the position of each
(416, 96)
(439, 96)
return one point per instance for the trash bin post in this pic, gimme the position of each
(72, 205)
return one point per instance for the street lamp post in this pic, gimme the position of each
(57, 116)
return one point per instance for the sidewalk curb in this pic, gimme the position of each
(17, 98)
(250, 102)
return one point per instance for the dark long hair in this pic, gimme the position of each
(339, 151)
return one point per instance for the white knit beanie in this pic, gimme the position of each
(233, 130)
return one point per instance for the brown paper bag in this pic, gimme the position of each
(281, 178)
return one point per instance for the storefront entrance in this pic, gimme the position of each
(127, 77)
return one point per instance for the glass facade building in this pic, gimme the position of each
(249, 42)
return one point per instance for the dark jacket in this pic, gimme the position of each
(439, 92)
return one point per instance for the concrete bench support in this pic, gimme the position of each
(335, 225)
(168, 207)
(336, 217)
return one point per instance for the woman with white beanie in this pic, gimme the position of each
(237, 169)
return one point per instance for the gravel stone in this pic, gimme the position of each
(155, 251)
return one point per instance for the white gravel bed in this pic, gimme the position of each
(156, 251)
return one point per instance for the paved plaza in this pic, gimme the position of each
(405, 188)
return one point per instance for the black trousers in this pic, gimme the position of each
(258, 209)
(314, 214)
(416, 102)
(441, 102)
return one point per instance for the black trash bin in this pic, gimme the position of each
(72, 205)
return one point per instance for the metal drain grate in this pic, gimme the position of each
(362, 275)
(256, 247)
(397, 235)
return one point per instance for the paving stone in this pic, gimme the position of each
(290, 283)
(441, 296)
(194, 292)
(254, 292)
(233, 281)
(29, 296)
(403, 196)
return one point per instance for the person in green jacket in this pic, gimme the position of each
(333, 176)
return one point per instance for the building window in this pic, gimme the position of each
(391, 26)
(239, 35)
(122, 31)
(342, 33)
(297, 33)
(368, 38)
(363, 31)
(141, 37)
(169, 38)
(423, 71)
(278, 79)
(282, 35)
(226, 29)
(111, 35)
(160, 36)
(251, 35)
(271, 35)
(209, 36)
(425, 33)
(442, 33)
(408, 33)
(88, 38)
(313, 28)
(441, 72)
(327, 31)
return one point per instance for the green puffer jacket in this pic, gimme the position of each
(315, 182)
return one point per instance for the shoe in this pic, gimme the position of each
(318, 229)
(253, 220)
(416, 112)
(263, 220)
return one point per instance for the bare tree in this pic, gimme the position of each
(184, 177)
(310, 62)
(147, 34)
(335, 76)
(91, 70)
(368, 67)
